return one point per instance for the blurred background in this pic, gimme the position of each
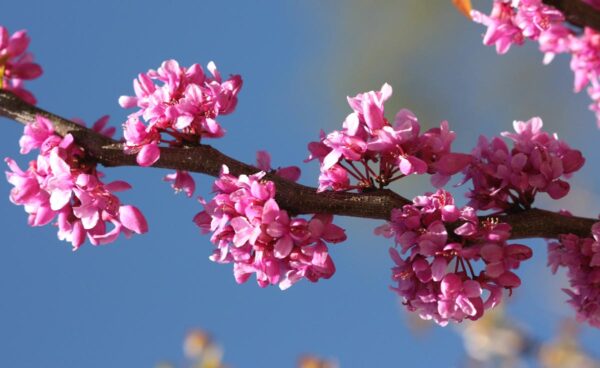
(130, 304)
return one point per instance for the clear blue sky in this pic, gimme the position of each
(129, 304)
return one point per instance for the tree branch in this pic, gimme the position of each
(577, 12)
(296, 198)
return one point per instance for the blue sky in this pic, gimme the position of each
(131, 303)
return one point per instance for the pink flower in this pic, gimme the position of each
(184, 105)
(581, 257)
(511, 22)
(250, 230)
(35, 134)
(61, 184)
(395, 150)
(16, 65)
(538, 162)
(436, 278)
(182, 181)
(501, 28)
(141, 141)
(263, 162)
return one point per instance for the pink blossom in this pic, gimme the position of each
(581, 257)
(61, 184)
(176, 101)
(16, 64)
(385, 151)
(181, 181)
(436, 277)
(538, 162)
(511, 22)
(501, 28)
(263, 162)
(250, 230)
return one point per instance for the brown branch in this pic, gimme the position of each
(577, 12)
(296, 198)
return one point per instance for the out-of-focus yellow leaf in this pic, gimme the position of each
(464, 6)
(309, 361)
(195, 343)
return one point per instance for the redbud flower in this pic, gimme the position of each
(581, 257)
(512, 21)
(16, 64)
(437, 277)
(250, 230)
(184, 104)
(182, 181)
(395, 150)
(538, 162)
(63, 185)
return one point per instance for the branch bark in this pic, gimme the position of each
(577, 12)
(294, 197)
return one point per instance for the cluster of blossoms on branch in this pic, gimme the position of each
(538, 162)
(513, 21)
(581, 258)
(180, 106)
(396, 150)
(64, 184)
(503, 179)
(16, 64)
(251, 231)
(436, 278)
(184, 106)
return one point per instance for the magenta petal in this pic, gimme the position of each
(509, 280)
(466, 306)
(291, 173)
(133, 219)
(558, 189)
(451, 284)
(148, 155)
(128, 101)
(78, 235)
(263, 160)
(117, 186)
(472, 289)
(43, 216)
(438, 268)
(283, 247)
(412, 165)
(331, 159)
(59, 198)
(438, 180)
(270, 211)
(492, 252)
(572, 161)
(452, 163)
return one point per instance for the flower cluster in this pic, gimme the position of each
(513, 21)
(506, 178)
(395, 150)
(436, 277)
(16, 65)
(63, 184)
(184, 105)
(581, 257)
(250, 230)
